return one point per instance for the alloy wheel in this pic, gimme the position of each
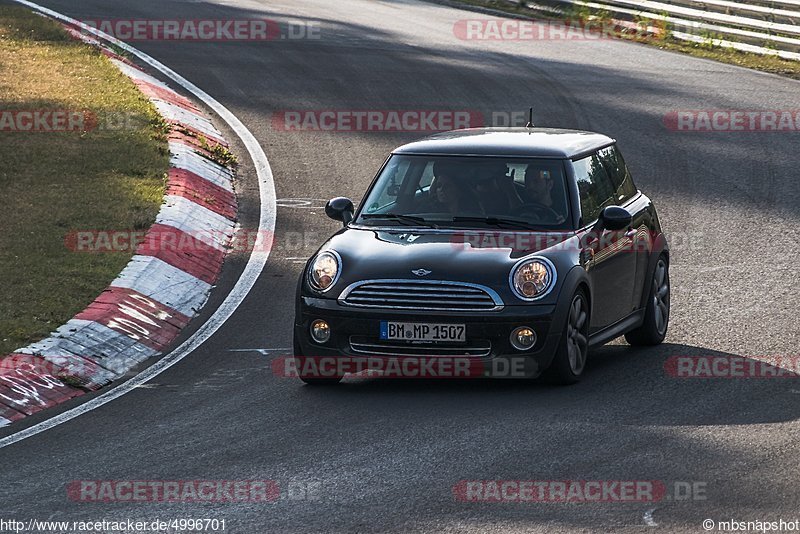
(577, 334)
(661, 296)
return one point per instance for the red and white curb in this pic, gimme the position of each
(143, 311)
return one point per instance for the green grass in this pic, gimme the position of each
(219, 154)
(773, 64)
(54, 183)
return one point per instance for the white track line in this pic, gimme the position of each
(648, 518)
(255, 264)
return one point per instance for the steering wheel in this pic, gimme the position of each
(538, 212)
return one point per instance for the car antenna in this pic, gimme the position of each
(530, 118)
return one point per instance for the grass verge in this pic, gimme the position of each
(765, 63)
(108, 175)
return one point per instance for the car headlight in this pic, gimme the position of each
(532, 279)
(324, 271)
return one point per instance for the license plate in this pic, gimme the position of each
(395, 331)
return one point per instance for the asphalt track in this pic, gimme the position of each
(387, 454)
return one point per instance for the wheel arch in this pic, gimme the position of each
(660, 246)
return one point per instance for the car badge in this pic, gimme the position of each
(421, 272)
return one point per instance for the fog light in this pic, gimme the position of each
(523, 338)
(320, 331)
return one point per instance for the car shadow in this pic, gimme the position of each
(629, 385)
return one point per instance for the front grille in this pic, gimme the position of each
(429, 295)
(370, 346)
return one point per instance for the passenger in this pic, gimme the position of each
(447, 195)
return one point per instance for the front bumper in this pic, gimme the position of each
(353, 325)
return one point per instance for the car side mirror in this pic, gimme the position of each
(614, 218)
(340, 209)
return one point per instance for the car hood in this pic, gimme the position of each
(483, 257)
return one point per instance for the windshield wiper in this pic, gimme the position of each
(497, 221)
(405, 219)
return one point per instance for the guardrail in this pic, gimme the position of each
(760, 26)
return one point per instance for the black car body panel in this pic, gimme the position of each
(613, 268)
(509, 142)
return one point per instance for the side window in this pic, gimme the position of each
(427, 177)
(595, 187)
(620, 176)
(389, 195)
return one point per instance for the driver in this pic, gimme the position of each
(538, 186)
(539, 189)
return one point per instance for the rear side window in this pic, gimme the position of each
(619, 174)
(595, 186)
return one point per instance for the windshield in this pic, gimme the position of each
(468, 192)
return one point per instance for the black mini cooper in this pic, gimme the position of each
(524, 244)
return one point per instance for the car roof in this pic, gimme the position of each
(515, 142)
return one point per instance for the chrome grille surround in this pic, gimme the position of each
(422, 295)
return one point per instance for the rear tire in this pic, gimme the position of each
(656, 315)
(573, 348)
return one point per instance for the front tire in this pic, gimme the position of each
(573, 348)
(656, 316)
